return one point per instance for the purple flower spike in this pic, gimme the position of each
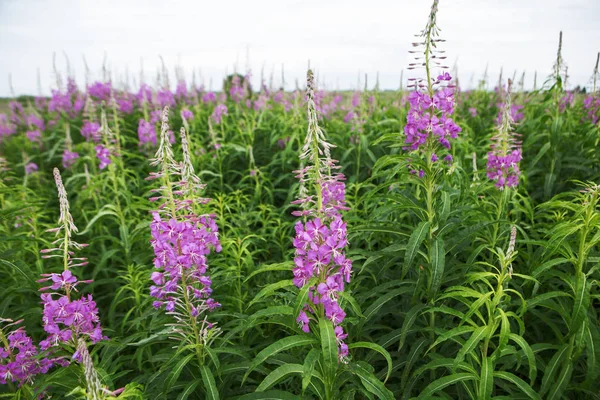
(182, 241)
(68, 158)
(30, 168)
(503, 160)
(66, 319)
(103, 155)
(218, 113)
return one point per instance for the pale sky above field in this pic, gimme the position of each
(342, 38)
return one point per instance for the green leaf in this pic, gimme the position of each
(476, 305)
(381, 300)
(210, 388)
(552, 368)
(269, 395)
(540, 299)
(592, 343)
(580, 304)
(446, 205)
(561, 382)
(189, 389)
(459, 330)
(438, 263)
(371, 383)
(547, 265)
(26, 274)
(414, 356)
(540, 154)
(99, 215)
(329, 350)
(309, 367)
(278, 374)
(269, 290)
(302, 297)
(414, 242)
(478, 335)
(377, 348)
(504, 332)
(486, 379)
(175, 372)
(408, 322)
(353, 303)
(528, 353)
(520, 383)
(269, 312)
(284, 266)
(446, 381)
(277, 347)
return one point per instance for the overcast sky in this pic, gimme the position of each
(342, 38)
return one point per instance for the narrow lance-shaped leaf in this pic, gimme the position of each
(438, 263)
(277, 347)
(210, 387)
(309, 367)
(486, 378)
(446, 381)
(329, 349)
(371, 383)
(520, 383)
(478, 335)
(377, 348)
(278, 374)
(580, 303)
(414, 242)
(408, 322)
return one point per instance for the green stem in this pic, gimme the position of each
(239, 279)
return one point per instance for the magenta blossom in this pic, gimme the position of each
(91, 131)
(34, 136)
(218, 113)
(68, 158)
(504, 170)
(103, 155)
(146, 133)
(187, 114)
(100, 90)
(20, 360)
(430, 117)
(30, 168)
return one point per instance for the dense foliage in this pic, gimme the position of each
(452, 250)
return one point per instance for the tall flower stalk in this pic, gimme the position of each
(503, 160)
(68, 156)
(429, 126)
(68, 321)
(182, 239)
(429, 130)
(321, 239)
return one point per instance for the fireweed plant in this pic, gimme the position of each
(321, 240)
(445, 299)
(502, 167)
(69, 322)
(429, 129)
(321, 271)
(182, 239)
(428, 133)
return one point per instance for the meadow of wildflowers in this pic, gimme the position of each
(253, 243)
